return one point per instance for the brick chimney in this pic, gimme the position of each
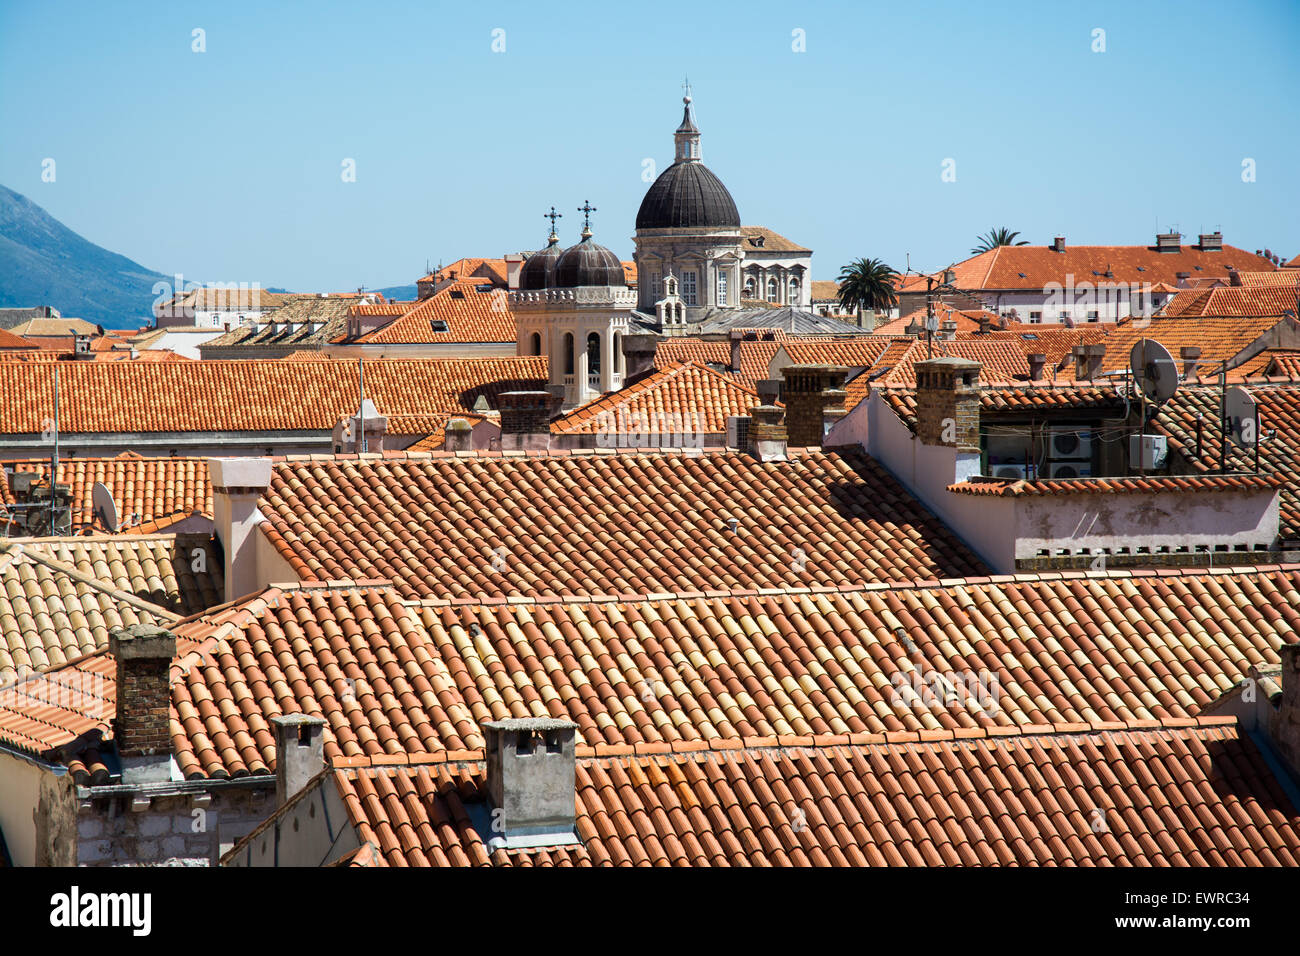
(1210, 241)
(1234, 278)
(526, 419)
(1190, 354)
(1087, 361)
(809, 391)
(1036, 362)
(1169, 242)
(142, 726)
(458, 435)
(948, 403)
(737, 337)
(299, 753)
(237, 484)
(531, 778)
(1058, 244)
(767, 433)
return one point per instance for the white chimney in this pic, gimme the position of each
(531, 776)
(237, 484)
(299, 753)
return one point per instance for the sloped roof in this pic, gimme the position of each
(1000, 360)
(291, 324)
(1218, 337)
(603, 521)
(1032, 267)
(785, 318)
(471, 267)
(1254, 300)
(144, 489)
(1150, 794)
(678, 399)
(763, 239)
(240, 395)
(395, 678)
(61, 596)
(825, 290)
(470, 311)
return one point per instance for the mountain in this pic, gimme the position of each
(402, 293)
(43, 262)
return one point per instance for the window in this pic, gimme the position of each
(794, 291)
(656, 286)
(688, 287)
(1063, 315)
(535, 345)
(593, 353)
(1035, 316)
(748, 291)
(1093, 315)
(568, 353)
(771, 289)
(722, 288)
(618, 352)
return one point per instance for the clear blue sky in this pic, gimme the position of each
(225, 165)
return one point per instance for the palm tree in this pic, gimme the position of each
(867, 284)
(1002, 236)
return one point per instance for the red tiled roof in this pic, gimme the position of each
(1218, 337)
(10, 341)
(1000, 360)
(604, 521)
(755, 354)
(1010, 399)
(1003, 488)
(471, 311)
(1134, 795)
(1032, 267)
(856, 351)
(680, 399)
(144, 489)
(1233, 300)
(247, 395)
(392, 677)
(968, 320)
(493, 270)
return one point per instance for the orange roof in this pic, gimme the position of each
(144, 489)
(395, 678)
(246, 395)
(603, 521)
(859, 351)
(468, 311)
(825, 290)
(680, 399)
(10, 341)
(967, 319)
(1032, 267)
(1022, 488)
(755, 354)
(1001, 360)
(1237, 300)
(946, 799)
(629, 273)
(493, 270)
(1218, 337)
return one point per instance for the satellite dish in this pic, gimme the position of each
(1154, 370)
(102, 501)
(1241, 417)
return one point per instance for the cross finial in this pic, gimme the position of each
(553, 215)
(586, 209)
(686, 90)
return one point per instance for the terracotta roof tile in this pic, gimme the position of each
(677, 399)
(463, 311)
(1032, 267)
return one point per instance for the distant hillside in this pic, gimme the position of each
(400, 293)
(43, 262)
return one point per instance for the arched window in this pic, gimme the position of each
(593, 353)
(794, 291)
(536, 344)
(748, 293)
(568, 353)
(618, 352)
(771, 289)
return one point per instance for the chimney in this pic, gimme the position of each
(237, 484)
(767, 433)
(458, 435)
(526, 419)
(299, 753)
(809, 391)
(1168, 242)
(1058, 244)
(1284, 722)
(366, 422)
(737, 337)
(948, 329)
(948, 403)
(769, 390)
(1210, 242)
(531, 780)
(1234, 277)
(949, 276)
(1036, 362)
(514, 264)
(142, 726)
(984, 322)
(1087, 361)
(1189, 354)
(638, 355)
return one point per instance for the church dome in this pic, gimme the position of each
(539, 268)
(687, 195)
(588, 264)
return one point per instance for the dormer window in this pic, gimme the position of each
(438, 325)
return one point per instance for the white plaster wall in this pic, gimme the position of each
(20, 786)
(301, 836)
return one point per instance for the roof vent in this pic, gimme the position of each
(757, 240)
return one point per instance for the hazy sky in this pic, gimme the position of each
(226, 164)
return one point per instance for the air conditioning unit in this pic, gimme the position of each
(1009, 471)
(1147, 451)
(1070, 442)
(1070, 469)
